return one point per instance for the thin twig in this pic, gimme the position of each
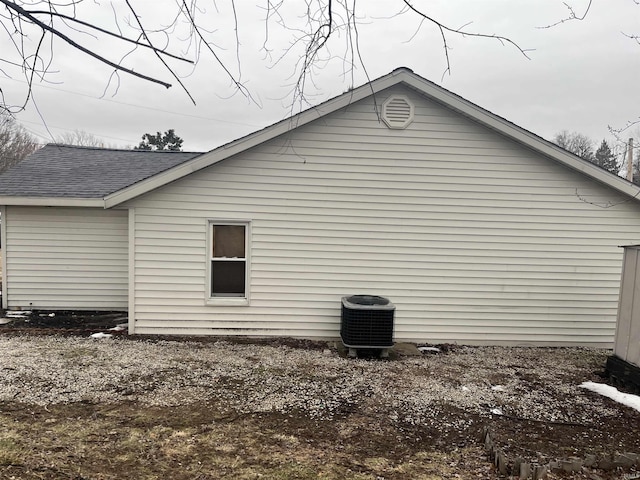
(27, 15)
(572, 15)
(459, 31)
(119, 36)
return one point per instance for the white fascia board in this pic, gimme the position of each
(52, 201)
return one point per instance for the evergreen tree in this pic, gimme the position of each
(605, 158)
(168, 141)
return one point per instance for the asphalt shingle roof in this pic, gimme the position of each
(84, 172)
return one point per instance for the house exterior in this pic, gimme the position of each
(479, 231)
(65, 251)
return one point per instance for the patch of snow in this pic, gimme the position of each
(101, 335)
(429, 349)
(17, 313)
(119, 328)
(496, 411)
(627, 399)
(4, 321)
(464, 389)
(498, 388)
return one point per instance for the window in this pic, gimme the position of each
(228, 270)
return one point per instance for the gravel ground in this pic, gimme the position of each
(396, 409)
(530, 383)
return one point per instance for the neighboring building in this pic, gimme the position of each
(477, 230)
(623, 367)
(627, 344)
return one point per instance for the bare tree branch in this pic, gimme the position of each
(15, 142)
(27, 15)
(626, 129)
(143, 34)
(82, 138)
(459, 31)
(196, 30)
(632, 36)
(572, 15)
(322, 32)
(119, 36)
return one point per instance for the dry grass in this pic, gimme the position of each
(130, 441)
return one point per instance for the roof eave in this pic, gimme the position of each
(52, 201)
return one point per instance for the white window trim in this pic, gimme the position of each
(228, 301)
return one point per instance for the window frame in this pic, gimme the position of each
(231, 300)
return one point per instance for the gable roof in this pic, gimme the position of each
(66, 172)
(133, 186)
(399, 76)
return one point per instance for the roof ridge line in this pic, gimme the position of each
(107, 149)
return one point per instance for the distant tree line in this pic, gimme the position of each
(604, 156)
(15, 142)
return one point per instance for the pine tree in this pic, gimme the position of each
(605, 158)
(168, 141)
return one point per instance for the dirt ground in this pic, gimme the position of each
(85, 440)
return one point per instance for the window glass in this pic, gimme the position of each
(228, 241)
(228, 278)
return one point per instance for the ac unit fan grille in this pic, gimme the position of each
(367, 326)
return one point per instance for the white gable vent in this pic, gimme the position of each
(397, 112)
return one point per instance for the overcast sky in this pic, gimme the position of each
(580, 75)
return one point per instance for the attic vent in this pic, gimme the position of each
(397, 112)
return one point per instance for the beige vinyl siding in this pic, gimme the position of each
(66, 258)
(473, 237)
